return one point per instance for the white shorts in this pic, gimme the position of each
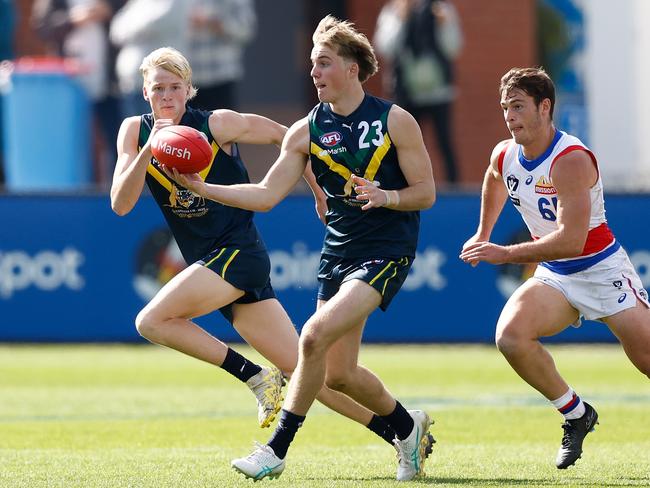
(608, 287)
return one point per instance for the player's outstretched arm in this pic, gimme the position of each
(420, 192)
(228, 126)
(278, 182)
(131, 165)
(493, 198)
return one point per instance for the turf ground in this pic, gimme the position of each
(144, 416)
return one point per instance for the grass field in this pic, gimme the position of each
(143, 416)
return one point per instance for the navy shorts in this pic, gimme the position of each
(245, 269)
(386, 275)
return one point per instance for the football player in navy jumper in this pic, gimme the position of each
(368, 157)
(228, 263)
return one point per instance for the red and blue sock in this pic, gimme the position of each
(570, 405)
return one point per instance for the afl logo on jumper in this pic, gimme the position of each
(331, 139)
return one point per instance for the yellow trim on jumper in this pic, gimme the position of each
(215, 151)
(327, 159)
(160, 178)
(376, 159)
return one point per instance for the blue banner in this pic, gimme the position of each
(71, 270)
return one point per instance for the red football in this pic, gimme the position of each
(182, 147)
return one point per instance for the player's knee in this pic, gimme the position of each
(146, 324)
(308, 344)
(506, 340)
(311, 343)
(337, 381)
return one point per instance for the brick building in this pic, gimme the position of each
(497, 35)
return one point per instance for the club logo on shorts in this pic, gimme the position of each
(618, 284)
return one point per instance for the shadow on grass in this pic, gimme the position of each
(531, 482)
(432, 480)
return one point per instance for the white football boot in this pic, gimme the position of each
(411, 451)
(261, 463)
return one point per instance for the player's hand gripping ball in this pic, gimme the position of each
(182, 147)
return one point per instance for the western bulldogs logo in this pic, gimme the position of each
(331, 139)
(544, 186)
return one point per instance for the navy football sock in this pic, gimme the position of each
(238, 366)
(379, 426)
(400, 421)
(288, 425)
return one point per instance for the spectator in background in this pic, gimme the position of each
(78, 29)
(139, 27)
(219, 31)
(8, 23)
(421, 39)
